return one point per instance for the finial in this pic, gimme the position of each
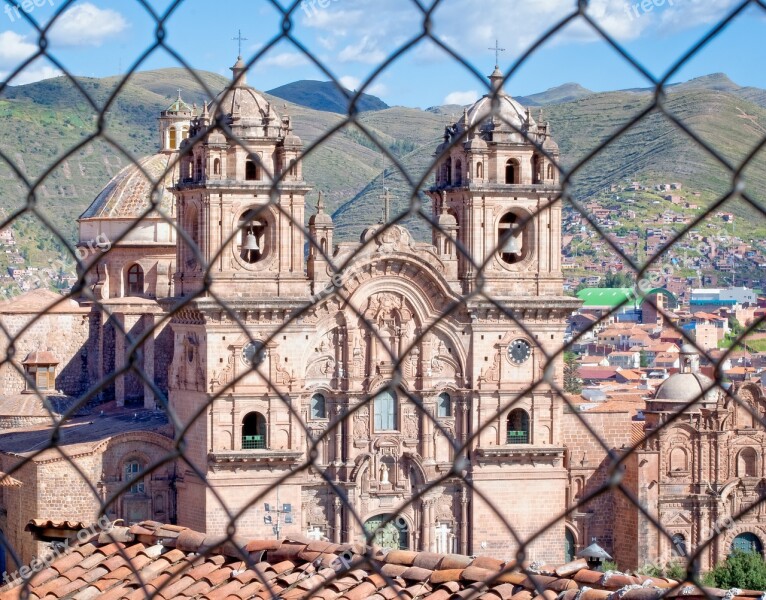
(239, 69)
(386, 197)
(497, 50)
(179, 93)
(320, 203)
(240, 39)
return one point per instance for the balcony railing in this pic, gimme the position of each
(253, 442)
(517, 437)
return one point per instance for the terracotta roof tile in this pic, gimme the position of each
(171, 562)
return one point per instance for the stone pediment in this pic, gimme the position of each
(677, 519)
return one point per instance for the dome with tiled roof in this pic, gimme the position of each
(688, 385)
(129, 193)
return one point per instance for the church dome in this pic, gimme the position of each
(243, 105)
(509, 113)
(129, 193)
(685, 387)
(689, 384)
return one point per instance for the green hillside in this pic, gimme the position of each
(43, 121)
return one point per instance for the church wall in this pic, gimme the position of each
(626, 517)
(65, 334)
(527, 497)
(248, 489)
(589, 468)
(19, 506)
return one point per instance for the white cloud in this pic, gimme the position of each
(690, 13)
(87, 25)
(14, 49)
(283, 60)
(366, 51)
(31, 74)
(462, 98)
(368, 33)
(350, 82)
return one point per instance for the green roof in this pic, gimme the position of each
(610, 297)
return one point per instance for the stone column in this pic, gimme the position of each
(148, 323)
(464, 522)
(426, 520)
(337, 520)
(119, 357)
(338, 437)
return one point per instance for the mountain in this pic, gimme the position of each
(569, 92)
(325, 96)
(715, 82)
(51, 122)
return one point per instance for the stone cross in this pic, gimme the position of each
(386, 205)
(497, 50)
(240, 39)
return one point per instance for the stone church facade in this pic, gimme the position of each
(334, 382)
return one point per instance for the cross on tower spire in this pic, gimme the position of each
(497, 49)
(240, 39)
(386, 197)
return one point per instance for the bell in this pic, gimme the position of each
(251, 243)
(512, 245)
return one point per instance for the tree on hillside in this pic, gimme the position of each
(620, 279)
(744, 570)
(572, 381)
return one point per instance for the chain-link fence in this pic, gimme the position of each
(231, 370)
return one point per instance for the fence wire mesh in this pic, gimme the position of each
(325, 413)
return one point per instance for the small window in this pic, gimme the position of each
(198, 173)
(512, 172)
(252, 172)
(385, 411)
(254, 431)
(318, 407)
(479, 170)
(444, 405)
(550, 172)
(448, 171)
(518, 427)
(133, 469)
(678, 543)
(173, 145)
(135, 281)
(458, 173)
(217, 166)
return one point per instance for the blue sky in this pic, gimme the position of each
(100, 37)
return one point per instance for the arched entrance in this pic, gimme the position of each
(569, 546)
(388, 531)
(747, 542)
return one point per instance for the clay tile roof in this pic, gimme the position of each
(167, 561)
